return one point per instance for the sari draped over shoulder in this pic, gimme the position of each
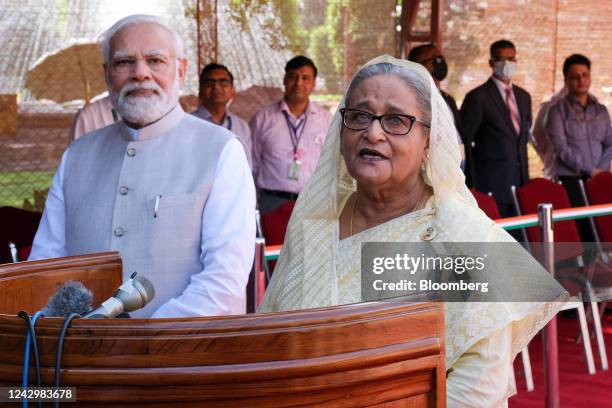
(317, 269)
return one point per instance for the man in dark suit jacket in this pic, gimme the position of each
(431, 58)
(496, 118)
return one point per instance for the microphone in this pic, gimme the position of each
(71, 297)
(132, 295)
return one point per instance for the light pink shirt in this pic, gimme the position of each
(273, 147)
(94, 115)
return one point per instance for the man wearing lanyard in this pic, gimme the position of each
(287, 137)
(216, 90)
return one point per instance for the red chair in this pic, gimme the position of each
(527, 199)
(599, 191)
(274, 224)
(271, 229)
(541, 190)
(19, 227)
(486, 203)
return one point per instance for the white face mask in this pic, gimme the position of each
(504, 70)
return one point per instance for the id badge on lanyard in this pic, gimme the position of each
(293, 172)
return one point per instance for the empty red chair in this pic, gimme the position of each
(274, 224)
(599, 191)
(541, 190)
(486, 203)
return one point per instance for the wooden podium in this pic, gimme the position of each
(386, 354)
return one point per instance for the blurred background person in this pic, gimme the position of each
(216, 91)
(541, 139)
(94, 115)
(287, 137)
(580, 131)
(431, 58)
(496, 119)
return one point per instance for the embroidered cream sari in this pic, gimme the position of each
(316, 269)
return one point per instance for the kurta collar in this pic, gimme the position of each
(158, 128)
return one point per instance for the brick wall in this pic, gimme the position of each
(544, 32)
(586, 27)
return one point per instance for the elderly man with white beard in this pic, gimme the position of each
(172, 193)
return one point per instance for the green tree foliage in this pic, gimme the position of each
(367, 33)
(279, 19)
(334, 22)
(321, 53)
(338, 46)
(327, 46)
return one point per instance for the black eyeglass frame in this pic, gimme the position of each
(380, 118)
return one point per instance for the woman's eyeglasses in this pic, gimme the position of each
(393, 123)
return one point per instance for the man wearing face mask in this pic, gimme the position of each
(496, 118)
(431, 58)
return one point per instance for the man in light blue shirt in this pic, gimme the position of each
(216, 91)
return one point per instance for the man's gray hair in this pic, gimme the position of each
(108, 35)
(415, 81)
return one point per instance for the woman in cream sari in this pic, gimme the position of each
(397, 178)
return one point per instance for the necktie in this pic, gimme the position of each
(514, 115)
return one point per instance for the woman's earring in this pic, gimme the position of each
(425, 162)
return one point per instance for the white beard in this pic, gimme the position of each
(143, 110)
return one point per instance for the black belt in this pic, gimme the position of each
(280, 194)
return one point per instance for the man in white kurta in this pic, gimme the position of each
(172, 193)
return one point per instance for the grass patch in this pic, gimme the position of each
(19, 186)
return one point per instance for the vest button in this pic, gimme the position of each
(123, 190)
(119, 232)
(131, 152)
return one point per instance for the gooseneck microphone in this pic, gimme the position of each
(132, 295)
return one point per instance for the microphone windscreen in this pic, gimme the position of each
(71, 297)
